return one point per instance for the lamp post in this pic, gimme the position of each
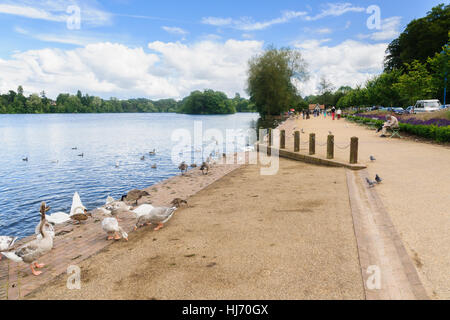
(445, 74)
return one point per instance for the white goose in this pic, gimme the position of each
(112, 229)
(157, 216)
(143, 210)
(33, 250)
(61, 217)
(6, 243)
(48, 227)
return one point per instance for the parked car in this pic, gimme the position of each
(427, 106)
(398, 110)
(409, 110)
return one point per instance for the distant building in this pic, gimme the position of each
(314, 106)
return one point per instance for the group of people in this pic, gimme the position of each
(390, 124)
(317, 112)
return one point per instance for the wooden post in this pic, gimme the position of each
(312, 144)
(282, 139)
(330, 147)
(270, 138)
(297, 141)
(354, 150)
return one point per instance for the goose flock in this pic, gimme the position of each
(145, 214)
(32, 251)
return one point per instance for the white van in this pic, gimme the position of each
(427, 106)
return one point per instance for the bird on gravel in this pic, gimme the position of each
(330, 133)
(183, 167)
(370, 183)
(372, 158)
(378, 179)
(205, 167)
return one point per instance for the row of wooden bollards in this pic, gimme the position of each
(312, 144)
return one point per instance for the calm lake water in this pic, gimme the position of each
(54, 171)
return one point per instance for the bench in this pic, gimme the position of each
(395, 132)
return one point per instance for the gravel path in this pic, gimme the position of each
(246, 236)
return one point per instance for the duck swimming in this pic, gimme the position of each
(33, 250)
(152, 153)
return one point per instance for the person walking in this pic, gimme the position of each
(333, 112)
(339, 113)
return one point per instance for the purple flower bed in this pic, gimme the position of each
(413, 121)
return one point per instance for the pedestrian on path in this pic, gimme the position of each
(339, 113)
(333, 112)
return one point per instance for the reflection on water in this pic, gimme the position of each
(112, 146)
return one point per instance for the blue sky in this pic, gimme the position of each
(157, 49)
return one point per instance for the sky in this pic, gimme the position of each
(167, 49)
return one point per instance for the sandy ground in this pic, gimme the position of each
(246, 236)
(415, 191)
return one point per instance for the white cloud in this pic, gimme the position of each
(29, 12)
(107, 69)
(218, 22)
(389, 29)
(324, 31)
(248, 24)
(335, 10)
(175, 30)
(348, 63)
(55, 11)
(65, 38)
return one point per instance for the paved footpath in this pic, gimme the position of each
(75, 243)
(413, 198)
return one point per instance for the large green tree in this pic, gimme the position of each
(270, 77)
(421, 39)
(416, 84)
(207, 102)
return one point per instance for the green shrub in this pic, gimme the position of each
(439, 134)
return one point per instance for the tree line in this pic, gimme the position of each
(207, 102)
(416, 65)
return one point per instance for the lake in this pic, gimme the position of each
(112, 146)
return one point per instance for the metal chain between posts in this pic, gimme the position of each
(321, 145)
(342, 148)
